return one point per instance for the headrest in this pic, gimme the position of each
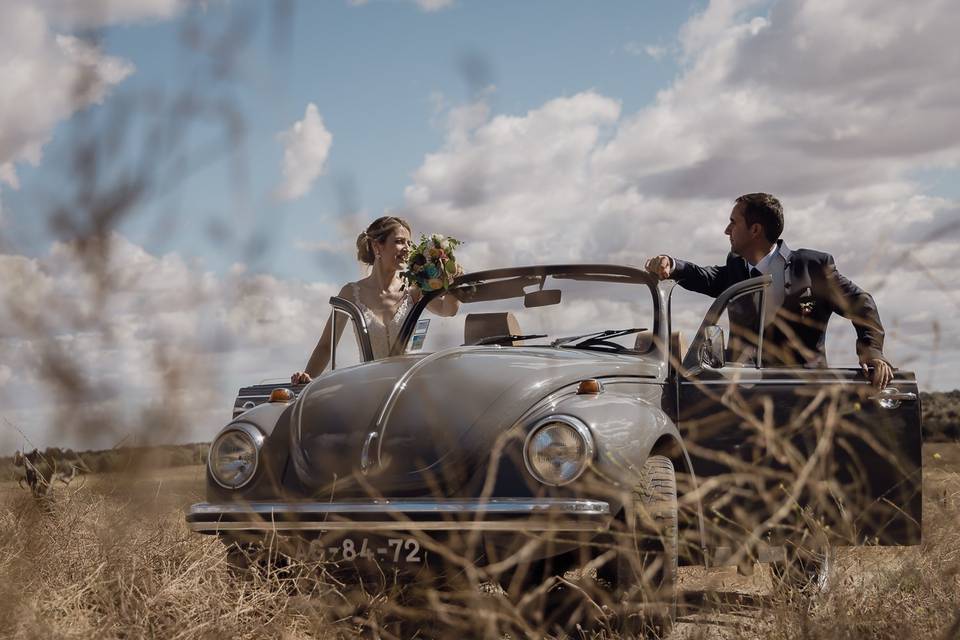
(478, 326)
(678, 347)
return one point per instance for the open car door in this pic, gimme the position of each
(795, 451)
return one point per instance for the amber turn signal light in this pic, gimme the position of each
(281, 395)
(591, 387)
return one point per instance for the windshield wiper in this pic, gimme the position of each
(595, 337)
(507, 337)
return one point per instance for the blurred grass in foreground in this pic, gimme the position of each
(114, 559)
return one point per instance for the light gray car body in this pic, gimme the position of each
(435, 442)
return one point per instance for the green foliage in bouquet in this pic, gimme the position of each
(432, 264)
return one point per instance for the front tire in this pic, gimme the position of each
(645, 578)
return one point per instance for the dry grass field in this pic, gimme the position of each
(113, 559)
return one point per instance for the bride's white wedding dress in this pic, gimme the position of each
(382, 335)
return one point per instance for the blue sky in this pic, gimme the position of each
(580, 132)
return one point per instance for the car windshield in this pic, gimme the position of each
(603, 309)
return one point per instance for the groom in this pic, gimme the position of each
(806, 289)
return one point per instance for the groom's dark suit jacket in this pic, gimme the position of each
(811, 290)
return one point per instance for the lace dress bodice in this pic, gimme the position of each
(382, 335)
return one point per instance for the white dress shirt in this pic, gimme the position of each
(776, 293)
(764, 265)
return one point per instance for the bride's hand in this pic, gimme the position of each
(300, 377)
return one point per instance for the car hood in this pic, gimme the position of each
(449, 406)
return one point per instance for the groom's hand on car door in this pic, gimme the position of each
(661, 266)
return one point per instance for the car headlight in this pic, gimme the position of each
(558, 449)
(234, 455)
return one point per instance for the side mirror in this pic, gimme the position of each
(711, 351)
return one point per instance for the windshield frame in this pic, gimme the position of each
(598, 272)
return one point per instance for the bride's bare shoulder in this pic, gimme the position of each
(348, 290)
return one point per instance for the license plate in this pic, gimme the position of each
(380, 550)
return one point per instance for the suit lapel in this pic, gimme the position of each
(737, 268)
(775, 295)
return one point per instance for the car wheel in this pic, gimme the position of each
(644, 575)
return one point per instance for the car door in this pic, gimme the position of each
(792, 449)
(351, 345)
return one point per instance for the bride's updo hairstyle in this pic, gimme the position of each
(378, 231)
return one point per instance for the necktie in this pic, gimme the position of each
(755, 273)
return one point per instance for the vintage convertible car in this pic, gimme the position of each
(557, 420)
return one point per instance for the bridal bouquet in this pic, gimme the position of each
(431, 264)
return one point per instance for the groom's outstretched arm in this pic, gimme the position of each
(710, 281)
(852, 302)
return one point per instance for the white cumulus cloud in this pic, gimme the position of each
(807, 99)
(306, 146)
(97, 13)
(512, 174)
(49, 73)
(47, 77)
(80, 369)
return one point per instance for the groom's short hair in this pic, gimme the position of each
(765, 210)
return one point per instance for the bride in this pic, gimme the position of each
(381, 296)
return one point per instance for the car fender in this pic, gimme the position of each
(263, 416)
(625, 428)
(267, 482)
(628, 426)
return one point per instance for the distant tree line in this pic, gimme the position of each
(119, 459)
(941, 416)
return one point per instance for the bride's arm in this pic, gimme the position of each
(445, 305)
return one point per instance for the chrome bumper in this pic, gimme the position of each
(494, 514)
